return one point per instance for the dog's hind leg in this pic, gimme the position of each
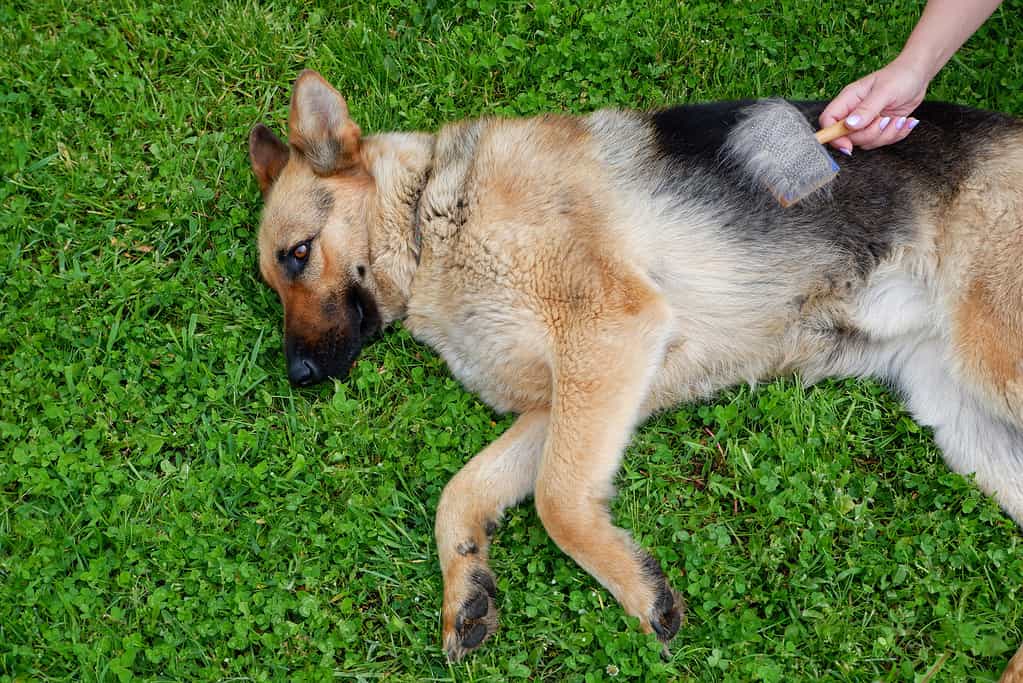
(963, 385)
(603, 371)
(469, 509)
(973, 438)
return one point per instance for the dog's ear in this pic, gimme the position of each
(319, 127)
(268, 155)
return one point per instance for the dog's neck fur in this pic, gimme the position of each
(401, 164)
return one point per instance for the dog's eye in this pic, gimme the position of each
(294, 260)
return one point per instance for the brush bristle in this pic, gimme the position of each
(774, 143)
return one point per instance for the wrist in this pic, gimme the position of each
(923, 62)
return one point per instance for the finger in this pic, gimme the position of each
(843, 145)
(835, 111)
(866, 113)
(846, 100)
(868, 137)
(886, 130)
(911, 123)
(889, 129)
(910, 127)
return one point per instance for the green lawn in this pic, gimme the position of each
(171, 510)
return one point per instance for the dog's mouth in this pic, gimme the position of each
(364, 311)
(331, 357)
(331, 354)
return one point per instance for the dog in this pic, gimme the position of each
(584, 272)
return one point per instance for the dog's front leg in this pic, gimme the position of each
(468, 512)
(602, 375)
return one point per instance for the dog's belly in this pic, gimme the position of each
(820, 329)
(700, 361)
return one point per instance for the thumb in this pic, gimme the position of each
(868, 109)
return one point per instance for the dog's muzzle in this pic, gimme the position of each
(303, 372)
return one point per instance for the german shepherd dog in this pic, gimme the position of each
(584, 272)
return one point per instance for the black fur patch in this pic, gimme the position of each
(467, 548)
(475, 607)
(696, 132)
(361, 302)
(489, 527)
(357, 306)
(665, 615)
(484, 580)
(323, 200)
(867, 210)
(354, 319)
(474, 636)
(652, 568)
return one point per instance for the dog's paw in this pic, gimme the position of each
(472, 620)
(667, 614)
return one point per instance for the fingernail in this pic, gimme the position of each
(884, 122)
(900, 123)
(846, 151)
(912, 123)
(852, 121)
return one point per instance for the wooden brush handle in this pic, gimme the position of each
(835, 130)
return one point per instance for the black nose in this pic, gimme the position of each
(302, 372)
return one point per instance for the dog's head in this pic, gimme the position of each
(314, 239)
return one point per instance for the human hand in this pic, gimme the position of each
(878, 106)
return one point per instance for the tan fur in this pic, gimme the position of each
(982, 232)
(989, 343)
(558, 284)
(1014, 671)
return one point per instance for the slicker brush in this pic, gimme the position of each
(776, 144)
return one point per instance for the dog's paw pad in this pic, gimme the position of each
(475, 608)
(476, 619)
(472, 636)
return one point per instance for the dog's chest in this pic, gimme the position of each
(493, 347)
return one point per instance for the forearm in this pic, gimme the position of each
(944, 26)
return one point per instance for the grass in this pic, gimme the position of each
(171, 510)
